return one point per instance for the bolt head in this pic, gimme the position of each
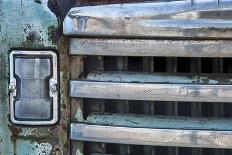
(53, 87)
(12, 87)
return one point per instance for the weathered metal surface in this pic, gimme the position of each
(154, 92)
(77, 112)
(146, 77)
(138, 47)
(155, 87)
(31, 25)
(148, 136)
(190, 18)
(160, 122)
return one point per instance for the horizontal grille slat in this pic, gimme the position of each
(191, 18)
(151, 92)
(153, 87)
(148, 136)
(138, 47)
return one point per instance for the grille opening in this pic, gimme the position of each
(156, 64)
(159, 107)
(159, 150)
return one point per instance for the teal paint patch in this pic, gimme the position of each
(26, 147)
(23, 25)
(161, 122)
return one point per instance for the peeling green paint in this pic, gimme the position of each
(26, 147)
(30, 24)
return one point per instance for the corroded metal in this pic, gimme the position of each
(160, 122)
(165, 78)
(31, 25)
(157, 87)
(149, 136)
(190, 18)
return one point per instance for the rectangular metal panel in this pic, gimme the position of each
(138, 47)
(150, 91)
(148, 136)
(187, 18)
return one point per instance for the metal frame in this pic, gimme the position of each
(53, 80)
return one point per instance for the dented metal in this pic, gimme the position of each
(179, 19)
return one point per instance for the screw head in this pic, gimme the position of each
(53, 87)
(12, 87)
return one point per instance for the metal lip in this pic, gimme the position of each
(53, 94)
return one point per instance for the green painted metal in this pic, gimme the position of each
(160, 78)
(30, 24)
(160, 122)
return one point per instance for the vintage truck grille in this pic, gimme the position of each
(151, 78)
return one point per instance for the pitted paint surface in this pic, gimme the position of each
(28, 24)
(29, 148)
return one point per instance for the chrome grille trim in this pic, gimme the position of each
(148, 136)
(138, 47)
(191, 18)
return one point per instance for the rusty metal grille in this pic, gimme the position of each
(156, 64)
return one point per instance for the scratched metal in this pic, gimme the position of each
(187, 18)
(149, 136)
(138, 47)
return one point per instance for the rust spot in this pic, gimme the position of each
(33, 36)
(15, 131)
(54, 33)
